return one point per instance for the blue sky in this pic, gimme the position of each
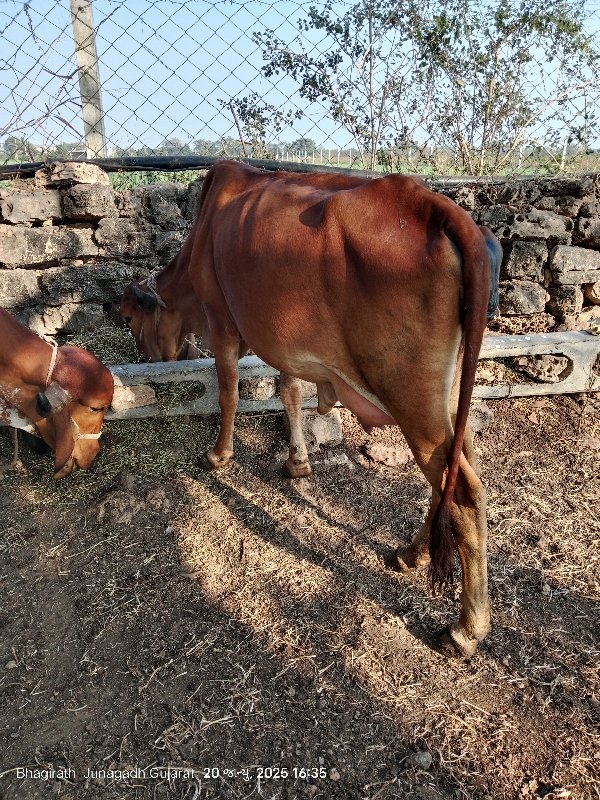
(165, 65)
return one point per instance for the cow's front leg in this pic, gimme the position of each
(226, 362)
(290, 391)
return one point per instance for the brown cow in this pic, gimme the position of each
(64, 391)
(377, 291)
(163, 314)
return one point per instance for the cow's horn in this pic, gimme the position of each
(145, 300)
(52, 400)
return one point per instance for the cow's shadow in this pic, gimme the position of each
(333, 635)
(407, 497)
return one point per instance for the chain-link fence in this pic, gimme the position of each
(435, 86)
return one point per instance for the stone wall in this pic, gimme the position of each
(69, 243)
(550, 233)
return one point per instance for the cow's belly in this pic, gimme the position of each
(366, 407)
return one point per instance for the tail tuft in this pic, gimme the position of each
(441, 549)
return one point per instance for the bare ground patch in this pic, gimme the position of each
(154, 614)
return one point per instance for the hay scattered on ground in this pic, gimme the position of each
(157, 614)
(112, 344)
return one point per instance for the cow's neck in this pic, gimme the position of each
(26, 354)
(174, 277)
(175, 288)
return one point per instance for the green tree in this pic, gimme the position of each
(486, 79)
(203, 147)
(173, 147)
(17, 148)
(361, 71)
(505, 75)
(226, 147)
(303, 145)
(258, 123)
(65, 149)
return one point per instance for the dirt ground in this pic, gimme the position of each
(172, 633)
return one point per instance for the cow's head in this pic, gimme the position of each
(158, 327)
(68, 413)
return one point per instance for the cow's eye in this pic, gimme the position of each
(127, 320)
(97, 410)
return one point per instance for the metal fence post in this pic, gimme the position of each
(89, 77)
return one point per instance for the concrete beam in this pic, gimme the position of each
(138, 386)
(581, 348)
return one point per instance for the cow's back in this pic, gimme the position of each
(320, 270)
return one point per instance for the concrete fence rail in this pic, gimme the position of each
(137, 391)
(138, 386)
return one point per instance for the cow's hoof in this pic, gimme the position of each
(210, 461)
(391, 560)
(12, 465)
(450, 645)
(403, 560)
(300, 470)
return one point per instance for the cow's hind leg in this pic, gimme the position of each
(470, 539)
(416, 554)
(226, 349)
(429, 436)
(297, 464)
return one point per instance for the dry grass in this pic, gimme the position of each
(155, 614)
(111, 343)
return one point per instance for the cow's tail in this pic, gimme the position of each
(475, 255)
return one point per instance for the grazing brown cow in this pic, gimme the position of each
(163, 314)
(378, 292)
(64, 391)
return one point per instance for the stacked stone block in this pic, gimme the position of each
(550, 233)
(70, 243)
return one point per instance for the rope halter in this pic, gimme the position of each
(53, 390)
(52, 364)
(152, 287)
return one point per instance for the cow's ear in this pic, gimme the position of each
(146, 300)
